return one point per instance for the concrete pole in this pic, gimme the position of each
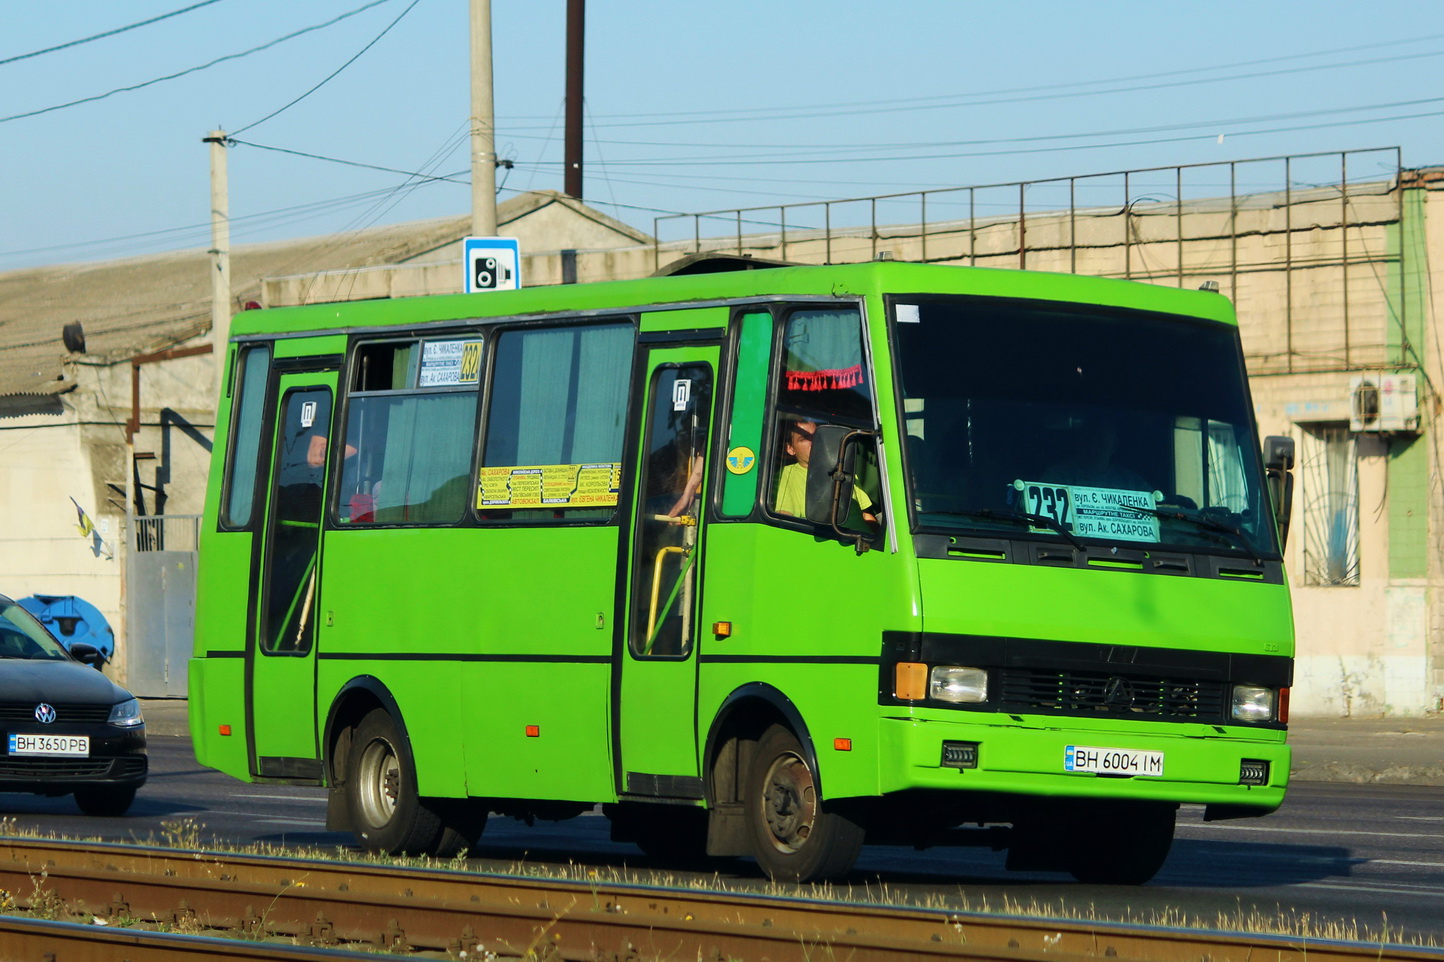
(483, 124)
(220, 252)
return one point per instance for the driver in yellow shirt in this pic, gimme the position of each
(792, 481)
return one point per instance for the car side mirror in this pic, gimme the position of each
(1278, 468)
(87, 654)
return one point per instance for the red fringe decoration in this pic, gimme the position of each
(832, 380)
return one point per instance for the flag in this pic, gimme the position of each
(83, 522)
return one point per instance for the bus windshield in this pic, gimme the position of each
(1081, 423)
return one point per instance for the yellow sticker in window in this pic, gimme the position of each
(549, 486)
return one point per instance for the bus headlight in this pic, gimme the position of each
(1252, 703)
(959, 685)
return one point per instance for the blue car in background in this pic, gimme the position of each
(65, 728)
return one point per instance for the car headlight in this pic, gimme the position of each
(126, 714)
(958, 685)
(1252, 703)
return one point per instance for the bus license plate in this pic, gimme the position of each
(49, 744)
(1112, 761)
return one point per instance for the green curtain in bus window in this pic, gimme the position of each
(426, 470)
(253, 368)
(822, 363)
(566, 400)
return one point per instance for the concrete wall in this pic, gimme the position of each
(81, 453)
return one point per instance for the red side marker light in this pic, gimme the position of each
(842, 744)
(533, 731)
(225, 729)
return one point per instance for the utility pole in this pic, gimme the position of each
(483, 124)
(220, 250)
(576, 30)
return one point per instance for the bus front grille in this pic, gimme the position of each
(1102, 693)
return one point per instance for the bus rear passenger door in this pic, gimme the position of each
(657, 738)
(281, 694)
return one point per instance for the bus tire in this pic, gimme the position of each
(1126, 846)
(387, 814)
(795, 836)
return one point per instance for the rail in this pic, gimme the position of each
(325, 903)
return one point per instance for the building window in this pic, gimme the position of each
(1330, 475)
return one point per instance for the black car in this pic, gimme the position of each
(64, 727)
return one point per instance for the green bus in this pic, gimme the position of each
(764, 562)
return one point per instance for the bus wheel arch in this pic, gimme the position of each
(765, 791)
(374, 786)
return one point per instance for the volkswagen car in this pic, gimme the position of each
(66, 729)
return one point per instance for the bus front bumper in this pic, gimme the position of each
(1236, 772)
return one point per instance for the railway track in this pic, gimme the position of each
(277, 907)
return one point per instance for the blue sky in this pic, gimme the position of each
(689, 106)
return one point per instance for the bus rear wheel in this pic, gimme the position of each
(795, 836)
(387, 814)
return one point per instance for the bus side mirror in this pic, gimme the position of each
(1278, 467)
(831, 478)
(827, 453)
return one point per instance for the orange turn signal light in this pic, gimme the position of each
(722, 629)
(842, 744)
(225, 729)
(533, 731)
(910, 681)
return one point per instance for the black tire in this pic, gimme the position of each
(1125, 846)
(387, 815)
(105, 802)
(796, 837)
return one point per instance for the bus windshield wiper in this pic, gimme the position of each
(1024, 517)
(1204, 521)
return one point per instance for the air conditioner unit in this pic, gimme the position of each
(1383, 402)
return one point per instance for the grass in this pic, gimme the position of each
(188, 835)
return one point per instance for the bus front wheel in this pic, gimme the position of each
(387, 814)
(796, 838)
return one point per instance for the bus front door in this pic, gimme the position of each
(281, 689)
(657, 730)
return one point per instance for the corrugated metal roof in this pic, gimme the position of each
(145, 304)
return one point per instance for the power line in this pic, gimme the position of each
(736, 162)
(191, 70)
(333, 73)
(958, 101)
(926, 145)
(109, 33)
(449, 178)
(759, 113)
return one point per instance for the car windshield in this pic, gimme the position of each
(22, 637)
(1079, 423)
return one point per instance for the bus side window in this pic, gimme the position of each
(555, 422)
(253, 368)
(823, 381)
(410, 428)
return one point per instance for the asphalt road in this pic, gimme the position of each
(1340, 854)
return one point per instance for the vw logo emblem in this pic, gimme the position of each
(44, 714)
